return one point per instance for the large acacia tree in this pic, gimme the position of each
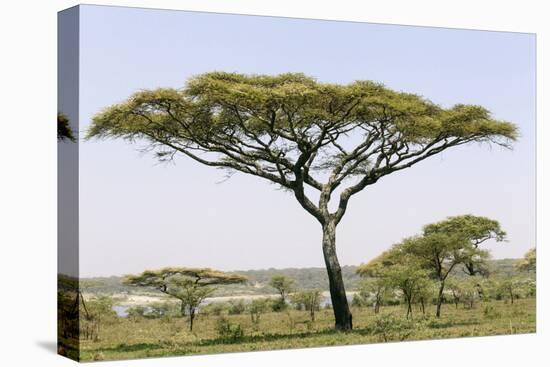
(322, 142)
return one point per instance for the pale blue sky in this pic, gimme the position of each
(137, 214)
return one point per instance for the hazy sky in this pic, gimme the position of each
(137, 214)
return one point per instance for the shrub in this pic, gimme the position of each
(228, 330)
(236, 307)
(279, 305)
(358, 301)
(256, 308)
(136, 312)
(215, 309)
(389, 327)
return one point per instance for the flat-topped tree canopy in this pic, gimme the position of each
(199, 276)
(293, 130)
(475, 229)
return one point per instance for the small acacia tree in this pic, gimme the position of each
(284, 285)
(397, 270)
(189, 285)
(319, 141)
(475, 230)
(439, 254)
(529, 261)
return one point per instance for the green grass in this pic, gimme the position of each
(125, 339)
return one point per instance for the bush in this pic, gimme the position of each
(236, 307)
(136, 312)
(256, 308)
(228, 330)
(389, 327)
(215, 309)
(358, 301)
(279, 305)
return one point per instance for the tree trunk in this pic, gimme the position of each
(191, 317)
(409, 305)
(340, 307)
(439, 300)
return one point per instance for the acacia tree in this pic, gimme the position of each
(189, 285)
(475, 230)
(284, 285)
(528, 262)
(317, 140)
(397, 270)
(374, 271)
(439, 253)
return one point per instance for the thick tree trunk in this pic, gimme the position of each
(340, 307)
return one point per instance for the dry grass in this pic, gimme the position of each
(125, 339)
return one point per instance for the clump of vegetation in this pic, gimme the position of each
(529, 261)
(284, 285)
(136, 313)
(307, 300)
(236, 307)
(389, 327)
(227, 330)
(256, 308)
(490, 312)
(97, 312)
(215, 309)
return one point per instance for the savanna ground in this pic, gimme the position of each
(127, 338)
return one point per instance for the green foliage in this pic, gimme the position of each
(283, 285)
(390, 327)
(135, 313)
(279, 305)
(213, 102)
(236, 307)
(256, 308)
(98, 312)
(528, 262)
(308, 300)
(215, 309)
(64, 131)
(472, 229)
(467, 290)
(394, 269)
(228, 331)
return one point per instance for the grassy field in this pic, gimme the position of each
(124, 338)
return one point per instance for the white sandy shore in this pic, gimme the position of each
(142, 299)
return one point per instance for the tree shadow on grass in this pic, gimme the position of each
(130, 347)
(275, 337)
